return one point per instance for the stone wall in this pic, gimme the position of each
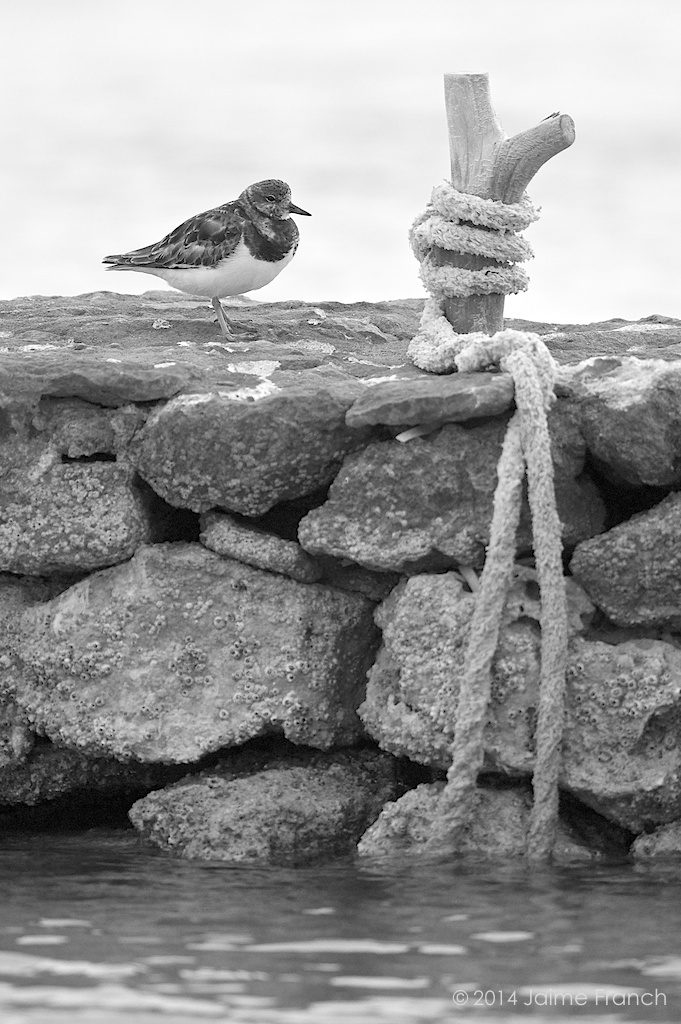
(227, 577)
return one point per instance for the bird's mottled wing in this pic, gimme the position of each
(201, 241)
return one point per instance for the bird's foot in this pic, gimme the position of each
(222, 319)
(236, 330)
(244, 330)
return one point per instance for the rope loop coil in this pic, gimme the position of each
(458, 222)
(463, 206)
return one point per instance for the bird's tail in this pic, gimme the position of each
(117, 262)
(130, 260)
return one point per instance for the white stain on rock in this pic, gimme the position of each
(258, 367)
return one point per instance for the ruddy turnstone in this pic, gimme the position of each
(231, 249)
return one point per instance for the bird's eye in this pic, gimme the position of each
(271, 199)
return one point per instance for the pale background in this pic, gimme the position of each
(122, 118)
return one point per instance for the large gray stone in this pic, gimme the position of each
(112, 382)
(620, 753)
(433, 399)
(17, 737)
(247, 450)
(427, 505)
(244, 542)
(413, 689)
(633, 572)
(498, 829)
(180, 652)
(630, 415)
(664, 842)
(66, 517)
(297, 811)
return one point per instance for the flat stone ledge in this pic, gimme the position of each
(112, 348)
(433, 399)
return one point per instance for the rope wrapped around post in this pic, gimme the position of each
(526, 451)
(459, 222)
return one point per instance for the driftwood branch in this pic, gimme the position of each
(487, 164)
(518, 159)
(474, 132)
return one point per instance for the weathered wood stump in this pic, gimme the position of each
(487, 164)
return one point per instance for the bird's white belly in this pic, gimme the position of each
(232, 276)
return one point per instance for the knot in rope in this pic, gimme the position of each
(519, 353)
(526, 451)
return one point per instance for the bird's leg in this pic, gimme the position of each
(222, 319)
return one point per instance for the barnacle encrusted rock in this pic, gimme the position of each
(413, 689)
(16, 593)
(633, 572)
(621, 754)
(51, 772)
(247, 450)
(66, 517)
(663, 842)
(294, 811)
(246, 543)
(498, 827)
(427, 505)
(630, 415)
(16, 734)
(180, 652)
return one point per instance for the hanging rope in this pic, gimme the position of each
(526, 451)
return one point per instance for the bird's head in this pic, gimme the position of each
(272, 198)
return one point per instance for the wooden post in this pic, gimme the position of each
(487, 164)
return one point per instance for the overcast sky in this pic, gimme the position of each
(122, 118)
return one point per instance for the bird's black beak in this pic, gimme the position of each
(302, 213)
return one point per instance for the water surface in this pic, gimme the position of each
(97, 927)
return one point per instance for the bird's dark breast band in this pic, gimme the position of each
(274, 248)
